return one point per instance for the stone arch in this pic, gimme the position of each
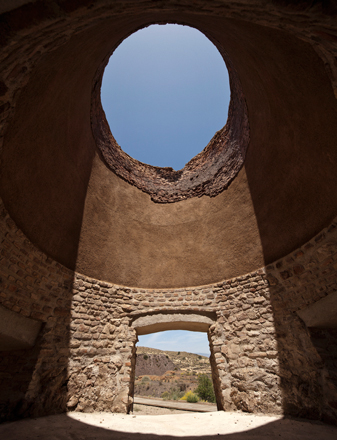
(179, 320)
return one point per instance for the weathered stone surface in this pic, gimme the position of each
(173, 321)
(264, 358)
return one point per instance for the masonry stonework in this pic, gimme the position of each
(79, 246)
(33, 381)
(263, 357)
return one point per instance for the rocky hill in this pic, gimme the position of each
(188, 362)
(153, 364)
(172, 373)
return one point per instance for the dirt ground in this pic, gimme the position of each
(144, 410)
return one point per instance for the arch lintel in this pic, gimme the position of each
(175, 321)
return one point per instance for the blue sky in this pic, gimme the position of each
(165, 93)
(176, 340)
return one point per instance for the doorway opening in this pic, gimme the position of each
(178, 372)
(172, 368)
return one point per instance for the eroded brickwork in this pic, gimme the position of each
(35, 29)
(208, 173)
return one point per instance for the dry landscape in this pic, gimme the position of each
(174, 372)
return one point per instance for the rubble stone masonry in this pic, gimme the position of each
(264, 359)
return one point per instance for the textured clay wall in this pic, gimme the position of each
(78, 211)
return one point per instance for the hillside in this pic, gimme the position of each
(168, 374)
(153, 364)
(181, 359)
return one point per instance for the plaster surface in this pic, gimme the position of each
(84, 252)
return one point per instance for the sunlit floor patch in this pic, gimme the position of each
(178, 425)
(209, 426)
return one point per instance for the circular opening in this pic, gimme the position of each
(207, 173)
(165, 92)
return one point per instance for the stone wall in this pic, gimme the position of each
(101, 347)
(264, 359)
(242, 341)
(302, 278)
(33, 382)
(262, 353)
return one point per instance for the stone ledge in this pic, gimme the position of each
(16, 331)
(177, 321)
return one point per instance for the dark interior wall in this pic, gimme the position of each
(33, 381)
(283, 196)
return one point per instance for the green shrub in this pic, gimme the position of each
(205, 388)
(146, 357)
(145, 379)
(190, 397)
